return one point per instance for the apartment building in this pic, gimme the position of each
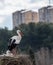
(46, 14)
(24, 16)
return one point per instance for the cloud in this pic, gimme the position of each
(10, 6)
(2, 18)
(6, 21)
(37, 5)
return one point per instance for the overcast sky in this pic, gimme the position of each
(7, 7)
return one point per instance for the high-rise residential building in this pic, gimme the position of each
(23, 16)
(46, 14)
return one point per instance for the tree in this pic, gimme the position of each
(37, 35)
(5, 34)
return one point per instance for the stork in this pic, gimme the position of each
(14, 41)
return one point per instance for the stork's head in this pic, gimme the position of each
(19, 32)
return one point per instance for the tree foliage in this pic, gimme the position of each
(5, 34)
(37, 35)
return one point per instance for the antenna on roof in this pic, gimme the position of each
(49, 2)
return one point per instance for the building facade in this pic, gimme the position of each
(23, 16)
(17, 18)
(46, 14)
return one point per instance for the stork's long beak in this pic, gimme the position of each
(21, 33)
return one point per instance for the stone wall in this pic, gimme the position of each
(44, 56)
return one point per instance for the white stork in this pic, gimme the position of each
(17, 39)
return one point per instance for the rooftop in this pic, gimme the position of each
(47, 7)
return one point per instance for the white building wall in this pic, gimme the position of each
(46, 14)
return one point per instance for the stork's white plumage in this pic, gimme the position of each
(8, 53)
(17, 38)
